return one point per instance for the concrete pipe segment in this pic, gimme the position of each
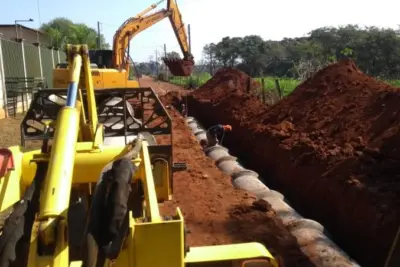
(310, 235)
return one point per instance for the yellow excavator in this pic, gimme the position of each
(90, 195)
(112, 68)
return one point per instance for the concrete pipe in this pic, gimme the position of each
(193, 126)
(310, 234)
(228, 165)
(200, 135)
(217, 152)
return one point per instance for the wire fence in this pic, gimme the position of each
(21, 61)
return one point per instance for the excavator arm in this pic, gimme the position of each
(127, 31)
(132, 26)
(175, 18)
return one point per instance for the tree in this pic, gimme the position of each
(63, 31)
(210, 57)
(375, 50)
(173, 54)
(227, 51)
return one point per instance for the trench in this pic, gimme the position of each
(312, 237)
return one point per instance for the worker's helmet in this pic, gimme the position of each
(227, 128)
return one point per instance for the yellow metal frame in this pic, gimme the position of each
(156, 242)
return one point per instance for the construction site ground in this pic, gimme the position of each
(214, 211)
(331, 147)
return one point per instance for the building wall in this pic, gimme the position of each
(36, 62)
(30, 36)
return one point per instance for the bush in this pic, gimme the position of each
(162, 77)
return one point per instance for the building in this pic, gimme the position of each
(16, 32)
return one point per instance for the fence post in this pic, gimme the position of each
(26, 82)
(52, 57)
(58, 55)
(278, 87)
(3, 81)
(40, 60)
(263, 90)
(23, 62)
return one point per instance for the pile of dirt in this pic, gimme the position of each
(225, 81)
(215, 212)
(174, 98)
(331, 146)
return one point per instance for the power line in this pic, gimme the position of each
(39, 21)
(108, 25)
(38, 10)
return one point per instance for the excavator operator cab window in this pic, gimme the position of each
(102, 58)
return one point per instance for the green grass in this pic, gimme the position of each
(287, 84)
(395, 83)
(197, 80)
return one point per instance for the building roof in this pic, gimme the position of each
(22, 26)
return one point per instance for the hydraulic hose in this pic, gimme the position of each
(109, 215)
(109, 221)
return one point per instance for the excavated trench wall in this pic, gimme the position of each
(310, 235)
(332, 186)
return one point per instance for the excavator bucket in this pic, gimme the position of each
(179, 67)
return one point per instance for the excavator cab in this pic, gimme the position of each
(102, 58)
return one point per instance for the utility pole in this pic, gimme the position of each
(211, 63)
(156, 62)
(98, 35)
(190, 39)
(190, 51)
(165, 56)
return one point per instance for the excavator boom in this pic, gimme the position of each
(134, 25)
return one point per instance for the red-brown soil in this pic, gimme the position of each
(331, 146)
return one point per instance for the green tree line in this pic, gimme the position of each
(63, 31)
(376, 51)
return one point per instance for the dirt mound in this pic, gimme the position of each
(330, 146)
(225, 81)
(172, 98)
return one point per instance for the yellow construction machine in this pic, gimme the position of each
(90, 195)
(112, 68)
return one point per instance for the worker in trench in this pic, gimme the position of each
(184, 110)
(215, 135)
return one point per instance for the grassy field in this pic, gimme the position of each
(286, 84)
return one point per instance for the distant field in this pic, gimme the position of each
(287, 84)
(197, 80)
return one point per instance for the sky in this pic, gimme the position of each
(210, 20)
